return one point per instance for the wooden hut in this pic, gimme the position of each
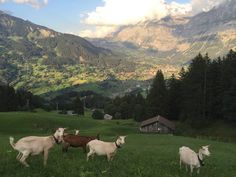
(157, 124)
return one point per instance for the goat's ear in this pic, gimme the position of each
(208, 145)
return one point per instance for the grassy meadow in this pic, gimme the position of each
(143, 155)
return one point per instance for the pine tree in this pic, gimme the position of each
(229, 101)
(139, 112)
(78, 106)
(157, 97)
(215, 90)
(182, 73)
(174, 98)
(194, 93)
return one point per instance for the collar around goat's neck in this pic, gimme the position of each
(199, 156)
(118, 146)
(55, 139)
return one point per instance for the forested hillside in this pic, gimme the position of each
(39, 59)
(203, 92)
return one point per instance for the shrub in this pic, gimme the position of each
(97, 115)
(117, 115)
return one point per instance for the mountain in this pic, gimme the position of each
(45, 61)
(42, 60)
(38, 41)
(178, 39)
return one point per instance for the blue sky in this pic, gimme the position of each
(60, 15)
(75, 16)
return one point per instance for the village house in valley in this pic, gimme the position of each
(107, 117)
(157, 124)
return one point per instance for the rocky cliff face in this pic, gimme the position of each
(182, 37)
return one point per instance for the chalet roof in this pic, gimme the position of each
(160, 119)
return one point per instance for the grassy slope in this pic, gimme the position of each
(217, 130)
(142, 155)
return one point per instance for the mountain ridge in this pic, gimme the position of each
(26, 30)
(42, 60)
(180, 38)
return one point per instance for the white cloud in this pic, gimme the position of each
(204, 5)
(179, 9)
(33, 3)
(123, 12)
(126, 12)
(115, 13)
(98, 32)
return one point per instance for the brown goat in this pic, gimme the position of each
(76, 141)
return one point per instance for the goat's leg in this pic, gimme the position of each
(93, 155)
(65, 147)
(19, 156)
(186, 167)
(45, 157)
(23, 159)
(84, 148)
(191, 168)
(180, 163)
(108, 157)
(198, 170)
(89, 154)
(112, 156)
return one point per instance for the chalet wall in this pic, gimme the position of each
(156, 127)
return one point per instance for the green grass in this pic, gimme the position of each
(217, 130)
(143, 155)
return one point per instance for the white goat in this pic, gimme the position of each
(76, 132)
(34, 145)
(105, 148)
(191, 158)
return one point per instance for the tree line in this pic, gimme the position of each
(18, 100)
(202, 92)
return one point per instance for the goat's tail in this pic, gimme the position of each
(11, 140)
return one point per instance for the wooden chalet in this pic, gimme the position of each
(157, 124)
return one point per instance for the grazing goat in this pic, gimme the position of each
(105, 148)
(34, 145)
(76, 141)
(191, 158)
(76, 132)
